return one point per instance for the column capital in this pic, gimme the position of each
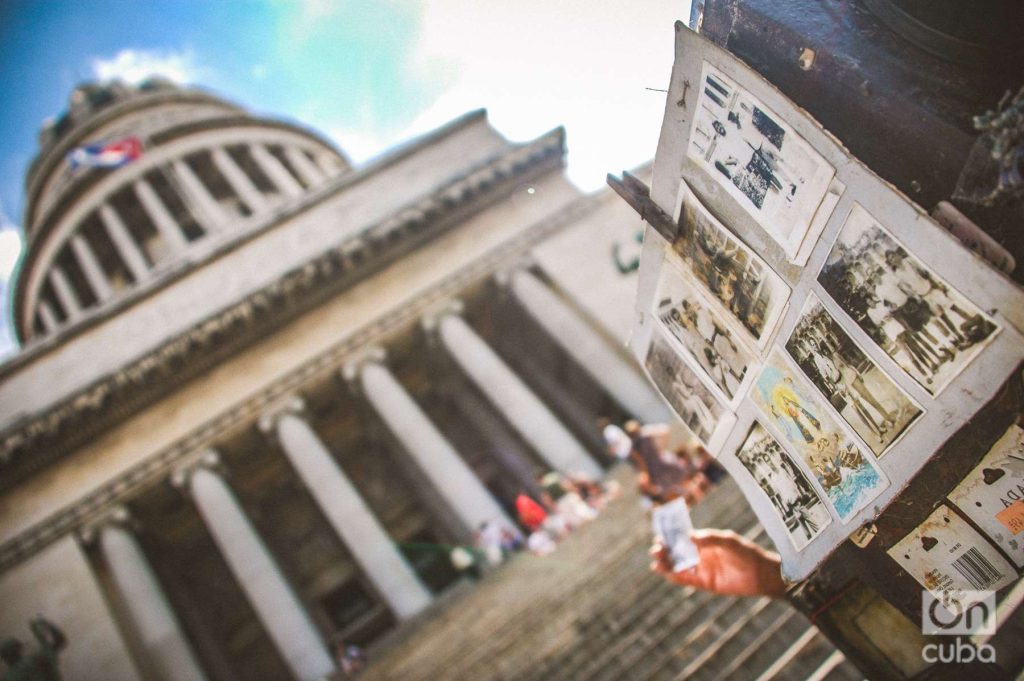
(354, 366)
(118, 516)
(434, 315)
(503, 277)
(293, 404)
(208, 459)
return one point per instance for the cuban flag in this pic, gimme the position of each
(112, 154)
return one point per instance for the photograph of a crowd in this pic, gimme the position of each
(743, 283)
(692, 401)
(850, 478)
(925, 325)
(794, 500)
(773, 173)
(688, 317)
(867, 399)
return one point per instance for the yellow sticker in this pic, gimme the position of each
(1012, 517)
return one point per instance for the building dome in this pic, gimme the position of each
(263, 394)
(208, 173)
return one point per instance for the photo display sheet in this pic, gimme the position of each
(813, 327)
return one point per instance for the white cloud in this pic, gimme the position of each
(10, 245)
(10, 251)
(315, 10)
(134, 66)
(536, 64)
(359, 145)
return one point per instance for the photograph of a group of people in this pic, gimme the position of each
(733, 275)
(867, 399)
(693, 403)
(925, 325)
(746, 148)
(688, 317)
(795, 501)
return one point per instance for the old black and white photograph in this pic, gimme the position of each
(692, 401)
(867, 399)
(928, 328)
(706, 337)
(750, 151)
(795, 501)
(732, 273)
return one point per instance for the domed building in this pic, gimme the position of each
(262, 392)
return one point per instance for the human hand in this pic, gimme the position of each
(730, 565)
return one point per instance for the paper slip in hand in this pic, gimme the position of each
(672, 527)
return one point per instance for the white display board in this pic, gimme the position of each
(825, 335)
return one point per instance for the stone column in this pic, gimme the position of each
(581, 342)
(125, 244)
(326, 163)
(49, 317)
(303, 166)
(345, 509)
(201, 202)
(65, 292)
(91, 267)
(161, 217)
(277, 606)
(275, 170)
(434, 456)
(166, 649)
(520, 406)
(238, 180)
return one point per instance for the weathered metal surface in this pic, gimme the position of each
(831, 595)
(902, 111)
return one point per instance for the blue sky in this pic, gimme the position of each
(368, 74)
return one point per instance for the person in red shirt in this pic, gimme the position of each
(531, 514)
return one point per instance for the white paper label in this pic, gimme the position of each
(948, 557)
(992, 495)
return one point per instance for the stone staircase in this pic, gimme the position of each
(593, 611)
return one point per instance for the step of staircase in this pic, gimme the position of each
(593, 611)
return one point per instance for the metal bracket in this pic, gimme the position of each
(638, 195)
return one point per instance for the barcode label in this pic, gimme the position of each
(976, 569)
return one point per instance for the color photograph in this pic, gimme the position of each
(850, 478)
(867, 399)
(694, 403)
(919, 320)
(748, 149)
(782, 481)
(689, 319)
(733, 274)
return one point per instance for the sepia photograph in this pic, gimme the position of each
(850, 478)
(786, 486)
(692, 401)
(925, 325)
(867, 399)
(748, 149)
(688, 318)
(734, 275)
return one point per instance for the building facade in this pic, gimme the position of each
(262, 392)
